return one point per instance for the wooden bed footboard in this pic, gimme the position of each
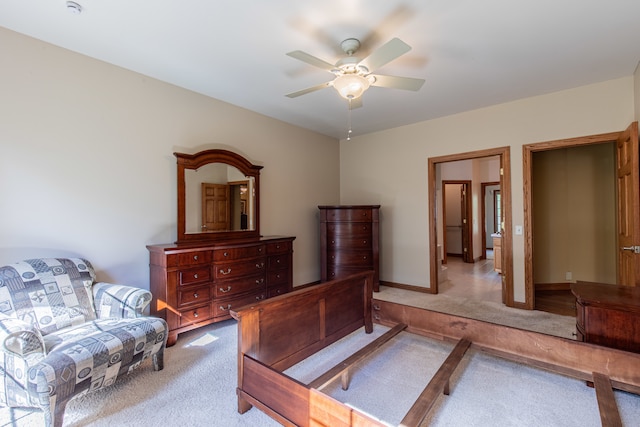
(282, 331)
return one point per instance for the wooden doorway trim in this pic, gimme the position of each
(527, 157)
(505, 187)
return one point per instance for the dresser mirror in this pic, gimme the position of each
(218, 196)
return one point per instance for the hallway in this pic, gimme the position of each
(476, 281)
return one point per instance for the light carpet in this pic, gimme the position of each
(197, 388)
(493, 312)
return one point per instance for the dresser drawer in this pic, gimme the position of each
(194, 295)
(188, 258)
(278, 290)
(194, 275)
(222, 308)
(234, 287)
(362, 214)
(278, 262)
(278, 248)
(278, 277)
(196, 314)
(339, 271)
(350, 258)
(229, 271)
(241, 252)
(361, 229)
(348, 242)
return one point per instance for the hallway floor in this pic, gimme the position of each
(479, 281)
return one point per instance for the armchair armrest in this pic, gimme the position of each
(119, 301)
(21, 339)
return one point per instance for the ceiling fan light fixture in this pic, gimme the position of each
(351, 86)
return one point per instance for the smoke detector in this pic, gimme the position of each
(74, 8)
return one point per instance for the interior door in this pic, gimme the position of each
(216, 207)
(465, 209)
(628, 186)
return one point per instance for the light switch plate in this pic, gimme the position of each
(518, 230)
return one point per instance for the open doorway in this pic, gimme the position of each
(593, 248)
(436, 219)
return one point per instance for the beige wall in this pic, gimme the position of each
(574, 214)
(86, 164)
(390, 167)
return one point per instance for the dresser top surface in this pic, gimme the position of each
(625, 297)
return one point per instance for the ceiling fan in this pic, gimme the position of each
(353, 76)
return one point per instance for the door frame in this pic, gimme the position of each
(527, 152)
(504, 154)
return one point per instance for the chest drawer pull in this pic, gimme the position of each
(225, 272)
(224, 291)
(195, 295)
(195, 314)
(260, 297)
(260, 281)
(227, 308)
(260, 265)
(195, 257)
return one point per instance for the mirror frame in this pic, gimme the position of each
(195, 161)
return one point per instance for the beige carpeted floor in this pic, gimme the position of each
(532, 320)
(197, 386)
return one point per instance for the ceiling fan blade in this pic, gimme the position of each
(355, 103)
(385, 54)
(308, 90)
(394, 82)
(311, 60)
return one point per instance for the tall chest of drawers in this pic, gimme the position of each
(194, 285)
(349, 241)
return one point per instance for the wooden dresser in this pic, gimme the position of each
(608, 315)
(194, 285)
(349, 241)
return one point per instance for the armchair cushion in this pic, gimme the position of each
(50, 294)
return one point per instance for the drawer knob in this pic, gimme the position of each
(225, 272)
(195, 257)
(195, 295)
(195, 314)
(195, 276)
(225, 254)
(278, 261)
(224, 291)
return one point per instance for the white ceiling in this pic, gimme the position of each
(471, 53)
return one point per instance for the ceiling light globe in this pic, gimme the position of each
(351, 86)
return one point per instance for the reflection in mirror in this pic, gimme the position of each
(218, 197)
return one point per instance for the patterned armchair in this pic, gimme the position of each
(63, 335)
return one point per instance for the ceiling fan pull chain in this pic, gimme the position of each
(349, 122)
